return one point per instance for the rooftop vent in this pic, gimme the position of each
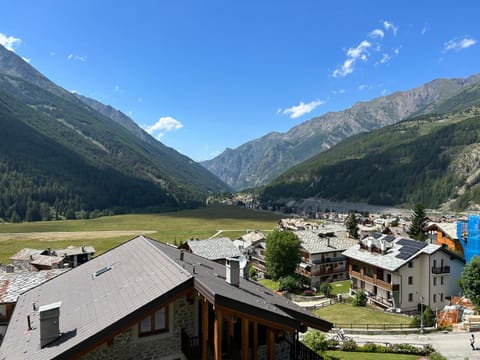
(49, 323)
(232, 267)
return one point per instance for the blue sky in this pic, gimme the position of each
(205, 75)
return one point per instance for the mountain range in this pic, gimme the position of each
(63, 154)
(433, 159)
(260, 161)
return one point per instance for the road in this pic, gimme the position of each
(452, 345)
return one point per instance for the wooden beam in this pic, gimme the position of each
(270, 344)
(230, 324)
(217, 335)
(204, 329)
(245, 339)
(255, 341)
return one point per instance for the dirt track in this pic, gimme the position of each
(74, 235)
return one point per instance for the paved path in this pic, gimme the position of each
(453, 345)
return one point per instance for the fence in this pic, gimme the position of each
(388, 326)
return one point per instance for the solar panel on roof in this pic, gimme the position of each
(377, 235)
(389, 238)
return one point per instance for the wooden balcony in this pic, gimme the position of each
(374, 281)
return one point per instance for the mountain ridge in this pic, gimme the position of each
(259, 161)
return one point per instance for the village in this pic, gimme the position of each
(202, 298)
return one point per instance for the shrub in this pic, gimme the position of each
(349, 345)
(293, 282)
(360, 298)
(316, 341)
(253, 273)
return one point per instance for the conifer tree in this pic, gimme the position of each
(418, 220)
(352, 226)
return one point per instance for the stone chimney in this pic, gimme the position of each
(49, 323)
(232, 267)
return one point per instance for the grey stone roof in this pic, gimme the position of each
(16, 283)
(253, 236)
(448, 228)
(75, 250)
(25, 254)
(314, 244)
(136, 277)
(390, 260)
(214, 249)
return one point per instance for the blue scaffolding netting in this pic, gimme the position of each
(469, 235)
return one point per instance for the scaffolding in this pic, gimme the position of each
(468, 233)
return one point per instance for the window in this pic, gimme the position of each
(434, 281)
(410, 280)
(434, 263)
(410, 264)
(155, 323)
(441, 297)
(434, 297)
(410, 297)
(441, 280)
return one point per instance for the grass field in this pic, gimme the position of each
(106, 232)
(343, 314)
(340, 287)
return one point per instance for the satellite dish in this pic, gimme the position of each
(243, 261)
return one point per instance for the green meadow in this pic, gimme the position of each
(107, 232)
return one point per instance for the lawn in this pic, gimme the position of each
(106, 232)
(340, 287)
(269, 284)
(345, 355)
(347, 315)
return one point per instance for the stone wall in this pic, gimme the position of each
(166, 346)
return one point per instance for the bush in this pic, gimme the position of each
(360, 298)
(316, 341)
(253, 273)
(325, 288)
(293, 283)
(349, 345)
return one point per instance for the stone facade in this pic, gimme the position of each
(166, 346)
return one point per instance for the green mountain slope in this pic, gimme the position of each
(432, 159)
(58, 155)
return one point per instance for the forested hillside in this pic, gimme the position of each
(434, 160)
(60, 157)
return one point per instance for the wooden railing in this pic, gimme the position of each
(303, 352)
(191, 346)
(376, 326)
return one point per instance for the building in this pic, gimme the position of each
(445, 234)
(400, 273)
(145, 299)
(35, 260)
(322, 254)
(215, 249)
(13, 283)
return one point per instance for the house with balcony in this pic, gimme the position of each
(145, 299)
(400, 273)
(444, 233)
(322, 254)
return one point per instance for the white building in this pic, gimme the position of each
(399, 273)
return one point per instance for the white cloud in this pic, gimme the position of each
(389, 26)
(302, 108)
(117, 89)
(377, 33)
(339, 91)
(424, 29)
(163, 125)
(26, 59)
(362, 87)
(53, 53)
(77, 58)
(359, 52)
(385, 58)
(9, 42)
(458, 44)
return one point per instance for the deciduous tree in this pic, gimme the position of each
(470, 281)
(282, 254)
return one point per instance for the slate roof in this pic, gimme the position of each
(75, 250)
(214, 249)
(314, 244)
(25, 254)
(141, 274)
(254, 236)
(392, 259)
(16, 283)
(450, 229)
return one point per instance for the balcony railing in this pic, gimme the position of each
(373, 280)
(191, 346)
(441, 270)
